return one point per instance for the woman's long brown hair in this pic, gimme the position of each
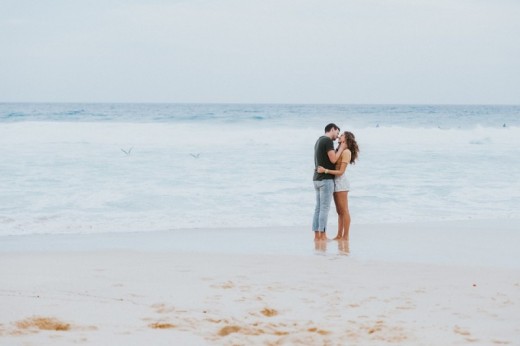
(352, 145)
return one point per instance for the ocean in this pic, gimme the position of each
(95, 168)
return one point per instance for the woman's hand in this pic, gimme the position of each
(320, 169)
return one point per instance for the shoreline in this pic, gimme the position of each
(489, 243)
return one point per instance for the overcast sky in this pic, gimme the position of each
(261, 51)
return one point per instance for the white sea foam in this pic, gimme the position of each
(70, 177)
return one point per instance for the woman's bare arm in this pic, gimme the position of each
(334, 156)
(345, 159)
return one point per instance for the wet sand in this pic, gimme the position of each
(80, 291)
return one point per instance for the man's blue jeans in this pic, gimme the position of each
(324, 190)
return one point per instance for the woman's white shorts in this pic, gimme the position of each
(341, 183)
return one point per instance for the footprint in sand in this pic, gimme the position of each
(224, 285)
(161, 325)
(257, 328)
(36, 324)
(43, 323)
(377, 330)
(465, 333)
(318, 331)
(229, 330)
(269, 312)
(459, 330)
(163, 308)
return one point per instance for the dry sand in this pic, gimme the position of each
(133, 297)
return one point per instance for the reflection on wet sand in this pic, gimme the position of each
(343, 247)
(320, 246)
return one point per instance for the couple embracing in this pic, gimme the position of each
(330, 180)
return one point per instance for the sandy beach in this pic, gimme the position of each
(395, 284)
(159, 173)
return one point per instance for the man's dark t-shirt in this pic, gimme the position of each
(321, 157)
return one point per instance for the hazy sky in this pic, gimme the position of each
(261, 51)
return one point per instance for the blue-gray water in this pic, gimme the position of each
(64, 168)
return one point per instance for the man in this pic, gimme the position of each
(325, 156)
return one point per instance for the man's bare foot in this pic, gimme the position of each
(323, 236)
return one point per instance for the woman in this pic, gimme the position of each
(341, 183)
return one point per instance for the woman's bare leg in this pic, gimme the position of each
(340, 199)
(346, 219)
(337, 203)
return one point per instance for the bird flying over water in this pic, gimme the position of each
(127, 152)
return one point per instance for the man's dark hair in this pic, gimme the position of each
(330, 127)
